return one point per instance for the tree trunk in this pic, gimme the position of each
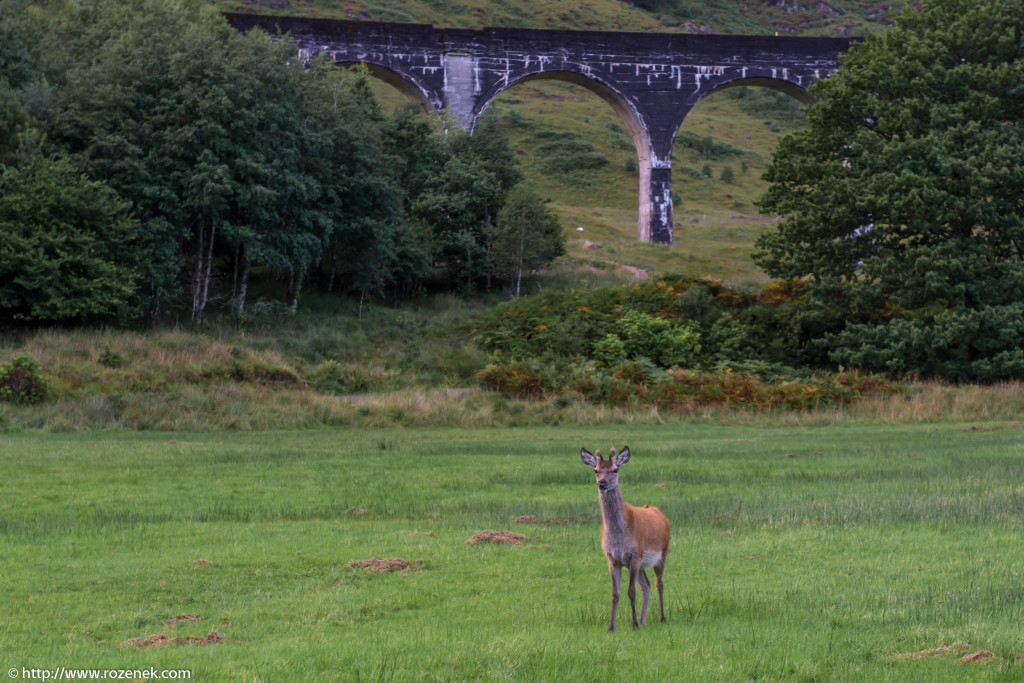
(519, 270)
(207, 276)
(197, 278)
(243, 286)
(234, 272)
(489, 265)
(296, 290)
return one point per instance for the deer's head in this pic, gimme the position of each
(607, 471)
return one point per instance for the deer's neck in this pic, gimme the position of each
(612, 515)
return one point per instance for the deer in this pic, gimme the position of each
(632, 537)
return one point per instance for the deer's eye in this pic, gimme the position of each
(615, 471)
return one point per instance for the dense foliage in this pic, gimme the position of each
(674, 342)
(22, 381)
(213, 158)
(904, 200)
(668, 322)
(66, 243)
(527, 235)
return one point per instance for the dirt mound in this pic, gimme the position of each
(202, 563)
(182, 617)
(162, 640)
(933, 652)
(491, 536)
(391, 564)
(979, 656)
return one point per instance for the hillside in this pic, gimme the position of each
(795, 17)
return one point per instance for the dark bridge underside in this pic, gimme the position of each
(651, 80)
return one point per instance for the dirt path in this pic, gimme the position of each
(453, 394)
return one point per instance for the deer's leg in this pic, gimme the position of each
(616, 573)
(659, 569)
(634, 567)
(645, 588)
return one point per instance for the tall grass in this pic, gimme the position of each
(405, 367)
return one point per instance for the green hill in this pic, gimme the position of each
(795, 17)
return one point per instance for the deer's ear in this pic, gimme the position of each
(588, 458)
(623, 457)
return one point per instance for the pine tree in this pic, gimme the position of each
(904, 200)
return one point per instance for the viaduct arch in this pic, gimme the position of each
(651, 80)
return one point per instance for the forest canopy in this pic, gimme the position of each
(213, 157)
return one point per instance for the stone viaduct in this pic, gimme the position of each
(651, 80)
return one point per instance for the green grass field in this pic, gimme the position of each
(847, 552)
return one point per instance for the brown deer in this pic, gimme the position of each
(631, 536)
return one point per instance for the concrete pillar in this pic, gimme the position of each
(461, 88)
(656, 191)
(660, 197)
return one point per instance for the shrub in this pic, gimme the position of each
(680, 346)
(671, 321)
(639, 382)
(239, 370)
(687, 389)
(514, 380)
(610, 350)
(22, 381)
(568, 153)
(963, 345)
(708, 147)
(639, 372)
(641, 334)
(265, 315)
(111, 359)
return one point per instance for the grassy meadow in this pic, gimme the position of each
(848, 551)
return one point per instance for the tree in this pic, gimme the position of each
(366, 248)
(461, 202)
(418, 152)
(66, 243)
(22, 71)
(21, 42)
(13, 122)
(527, 236)
(215, 137)
(904, 199)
